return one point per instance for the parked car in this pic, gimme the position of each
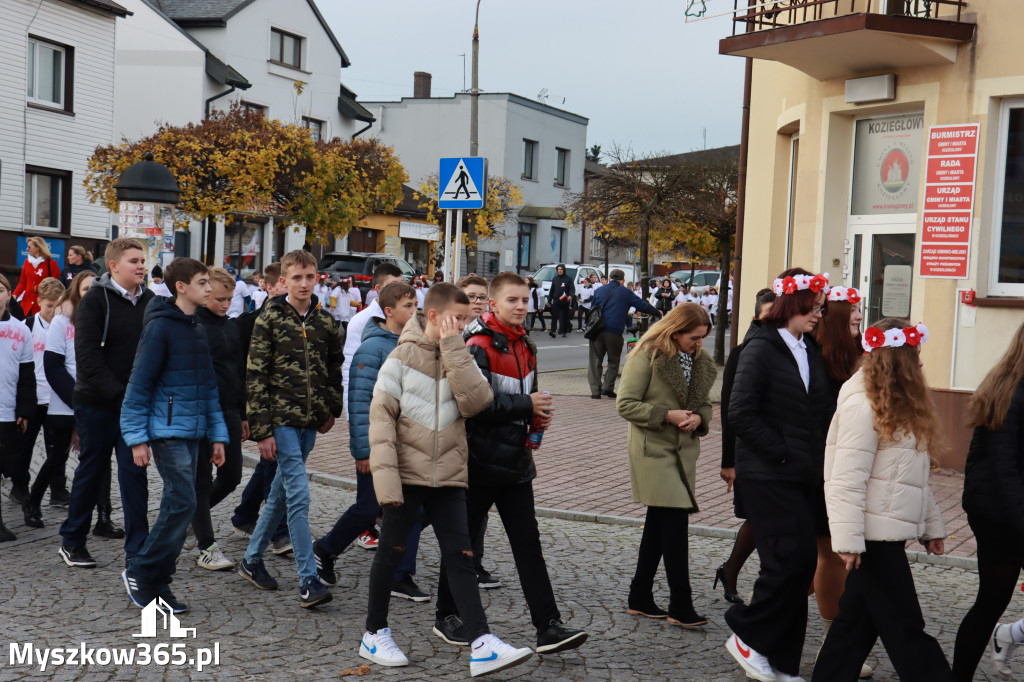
(577, 272)
(701, 278)
(360, 267)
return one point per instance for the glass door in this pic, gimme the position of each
(883, 271)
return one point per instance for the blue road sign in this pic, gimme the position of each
(462, 182)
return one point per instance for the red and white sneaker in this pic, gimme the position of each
(367, 541)
(755, 665)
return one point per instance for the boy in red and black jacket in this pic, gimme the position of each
(501, 469)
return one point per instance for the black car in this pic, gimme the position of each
(360, 267)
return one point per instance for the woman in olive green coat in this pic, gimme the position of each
(663, 395)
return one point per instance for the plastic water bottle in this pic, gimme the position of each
(536, 433)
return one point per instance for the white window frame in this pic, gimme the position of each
(596, 247)
(31, 195)
(995, 287)
(307, 123)
(794, 151)
(33, 68)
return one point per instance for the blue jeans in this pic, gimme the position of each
(176, 460)
(289, 496)
(99, 432)
(361, 516)
(255, 491)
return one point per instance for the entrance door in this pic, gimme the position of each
(882, 269)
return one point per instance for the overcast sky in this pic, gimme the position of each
(641, 74)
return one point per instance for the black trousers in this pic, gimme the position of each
(26, 444)
(1000, 554)
(532, 317)
(518, 516)
(880, 602)
(446, 509)
(58, 447)
(210, 492)
(561, 317)
(665, 537)
(781, 517)
(608, 344)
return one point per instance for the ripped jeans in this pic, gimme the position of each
(446, 510)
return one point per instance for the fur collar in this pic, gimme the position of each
(703, 378)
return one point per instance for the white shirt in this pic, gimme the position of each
(799, 350)
(15, 349)
(421, 295)
(124, 292)
(60, 339)
(258, 297)
(39, 329)
(353, 339)
(587, 296)
(238, 299)
(343, 300)
(159, 288)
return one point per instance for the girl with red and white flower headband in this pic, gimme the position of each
(779, 408)
(877, 462)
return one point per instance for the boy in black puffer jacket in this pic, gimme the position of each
(501, 469)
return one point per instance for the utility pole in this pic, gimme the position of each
(474, 136)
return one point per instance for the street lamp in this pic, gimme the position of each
(147, 193)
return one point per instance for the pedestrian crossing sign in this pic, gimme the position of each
(462, 182)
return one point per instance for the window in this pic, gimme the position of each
(49, 74)
(314, 126)
(794, 149)
(529, 154)
(285, 48)
(561, 166)
(525, 245)
(47, 200)
(243, 246)
(557, 244)
(255, 108)
(1007, 278)
(596, 247)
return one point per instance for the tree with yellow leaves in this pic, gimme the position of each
(238, 162)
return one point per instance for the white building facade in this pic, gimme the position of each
(537, 146)
(180, 59)
(56, 105)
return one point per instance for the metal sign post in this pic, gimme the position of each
(457, 251)
(447, 243)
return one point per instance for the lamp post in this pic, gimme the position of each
(147, 193)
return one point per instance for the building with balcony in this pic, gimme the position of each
(886, 149)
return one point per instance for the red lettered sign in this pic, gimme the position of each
(954, 169)
(949, 227)
(953, 140)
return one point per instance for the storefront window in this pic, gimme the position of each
(416, 253)
(243, 247)
(1009, 204)
(886, 165)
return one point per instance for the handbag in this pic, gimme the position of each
(595, 319)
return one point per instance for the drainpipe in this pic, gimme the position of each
(741, 201)
(218, 96)
(360, 132)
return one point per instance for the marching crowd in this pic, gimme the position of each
(828, 434)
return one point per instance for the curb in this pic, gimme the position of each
(913, 556)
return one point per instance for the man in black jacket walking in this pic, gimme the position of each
(561, 296)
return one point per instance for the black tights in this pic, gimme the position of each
(58, 446)
(665, 536)
(1000, 554)
(741, 551)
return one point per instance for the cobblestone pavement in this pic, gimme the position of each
(582, 465)
(265, 635)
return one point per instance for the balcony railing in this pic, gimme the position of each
(750, 16)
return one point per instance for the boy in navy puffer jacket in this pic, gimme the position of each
(380, 337)
(170, 404)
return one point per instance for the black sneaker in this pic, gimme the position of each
(451, 630)
(19, 493)
(324, 566)
(485, 580)
(176, 605)
(138, 595)
(6, 535)
(76, 557)
(559, 638)
(256, 573)
(407, 589)
(60, 497)
(312, 593)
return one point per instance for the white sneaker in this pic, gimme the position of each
(866, 672)
(212, 559)
(490, 654)
(786, 677)
(755, 665)
(381, 649)
(1001, 650)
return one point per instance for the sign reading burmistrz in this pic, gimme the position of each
(462, 183)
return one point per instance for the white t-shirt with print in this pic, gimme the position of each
(15, 349)
(39, 329)
(60, 339)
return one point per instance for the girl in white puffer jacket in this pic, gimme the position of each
(876, 491)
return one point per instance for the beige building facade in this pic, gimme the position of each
(845, 166)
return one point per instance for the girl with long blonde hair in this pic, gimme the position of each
(877, 461)
(664, 395)
(994, 502)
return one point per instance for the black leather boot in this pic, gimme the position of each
(33, 515)
(5, 534)
(105, 528)
(641, 602)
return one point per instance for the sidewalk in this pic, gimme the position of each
(582, 467)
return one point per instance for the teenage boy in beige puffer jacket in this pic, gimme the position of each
(425, 390)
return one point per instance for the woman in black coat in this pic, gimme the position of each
(79, 260)
(994, 502)
(779, 409)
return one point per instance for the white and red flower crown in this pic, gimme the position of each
(894, 338)
(847, 294)
(791, 285)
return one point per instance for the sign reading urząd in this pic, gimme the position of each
(462, 183)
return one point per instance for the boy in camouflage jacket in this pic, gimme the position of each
(294, 386)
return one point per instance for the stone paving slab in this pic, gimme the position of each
(266, 636)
